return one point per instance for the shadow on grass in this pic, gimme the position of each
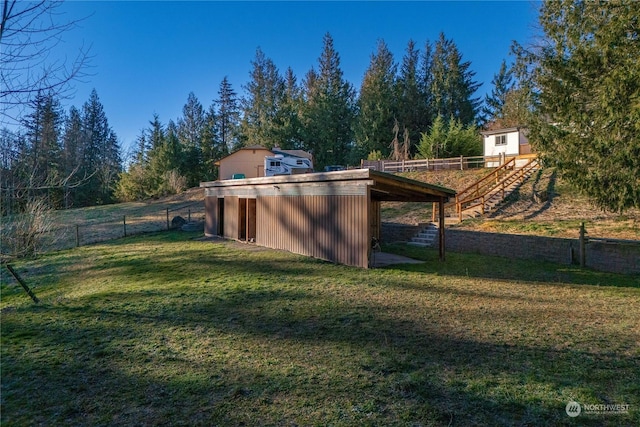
(491, 267)
(209, 335)
(122, 362)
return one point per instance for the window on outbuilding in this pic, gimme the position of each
(501, 139)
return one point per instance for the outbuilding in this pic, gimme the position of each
(506, 142)
(333, 216)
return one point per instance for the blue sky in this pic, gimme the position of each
(148, 55)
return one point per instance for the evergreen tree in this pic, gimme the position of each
(584, 85)
(43, 132)
(227, 118)
(329, 110)
(261, 123)
(413, 113)
(451, 83)
(191, 127)
(71, 155)
(290, 113)
(450, 139)
(101, 160)
(493, 109)
(156, 133)
(378, 108)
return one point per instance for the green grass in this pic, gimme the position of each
(168, 330)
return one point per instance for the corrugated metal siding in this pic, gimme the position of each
(210, 216)
(334, 228)
(231, 217)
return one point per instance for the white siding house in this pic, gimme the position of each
(509, 142)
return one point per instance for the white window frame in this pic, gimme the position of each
(501, 139)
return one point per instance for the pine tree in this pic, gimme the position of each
(227, 118)
(290, 113)
(261, 122)
(101, 160)
(493, 110)
(584, 87)
(71, 155)
(329, 111)
(413, 113)
(191, 127)
(43, 134)
(378, 108)
(451, 83)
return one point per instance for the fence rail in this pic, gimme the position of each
(452, 163)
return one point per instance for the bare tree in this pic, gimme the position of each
(29, 31)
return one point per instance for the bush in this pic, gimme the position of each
(25, 234)
(449, 140)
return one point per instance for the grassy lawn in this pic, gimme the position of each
(169, 330)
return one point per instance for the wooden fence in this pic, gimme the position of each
(453, 163)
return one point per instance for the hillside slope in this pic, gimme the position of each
(545, 204)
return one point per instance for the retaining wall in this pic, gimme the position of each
(615, 256)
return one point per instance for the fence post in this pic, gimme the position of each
(461, 164)
(22, 283)
(189, 215)
(582, 245)
(168, 226)
(124, 224)
(77, 236)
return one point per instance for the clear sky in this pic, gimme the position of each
(148, 55)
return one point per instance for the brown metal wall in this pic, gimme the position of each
(231, 213)
(210, 216)
(334, 228)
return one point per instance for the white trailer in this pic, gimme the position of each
(286, 165)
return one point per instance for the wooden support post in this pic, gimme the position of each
(583, 248)
(124, 225)
(168, 225)
(77, 236)
(22, 283)
(441, 228)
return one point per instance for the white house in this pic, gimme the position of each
(508, 142)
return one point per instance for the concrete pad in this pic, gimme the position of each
(382, 259)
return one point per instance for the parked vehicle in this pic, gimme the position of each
(286, 165)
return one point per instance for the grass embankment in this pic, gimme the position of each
(165, 330)
(545, 205)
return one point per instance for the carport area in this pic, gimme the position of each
(333, 216)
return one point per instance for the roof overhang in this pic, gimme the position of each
(383, 186)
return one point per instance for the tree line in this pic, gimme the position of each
(391, 115)
(69, 159)
(576, 91)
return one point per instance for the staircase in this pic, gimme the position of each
(426, 237)
(487, 193)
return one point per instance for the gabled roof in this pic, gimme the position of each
(383, 186)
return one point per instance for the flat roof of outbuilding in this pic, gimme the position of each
(384, 186)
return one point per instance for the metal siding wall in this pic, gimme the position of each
(210, 216)
(231, 217)
(334, 228)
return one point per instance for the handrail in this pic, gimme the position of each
(517, 174)
(496, 172)
(428, 164)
